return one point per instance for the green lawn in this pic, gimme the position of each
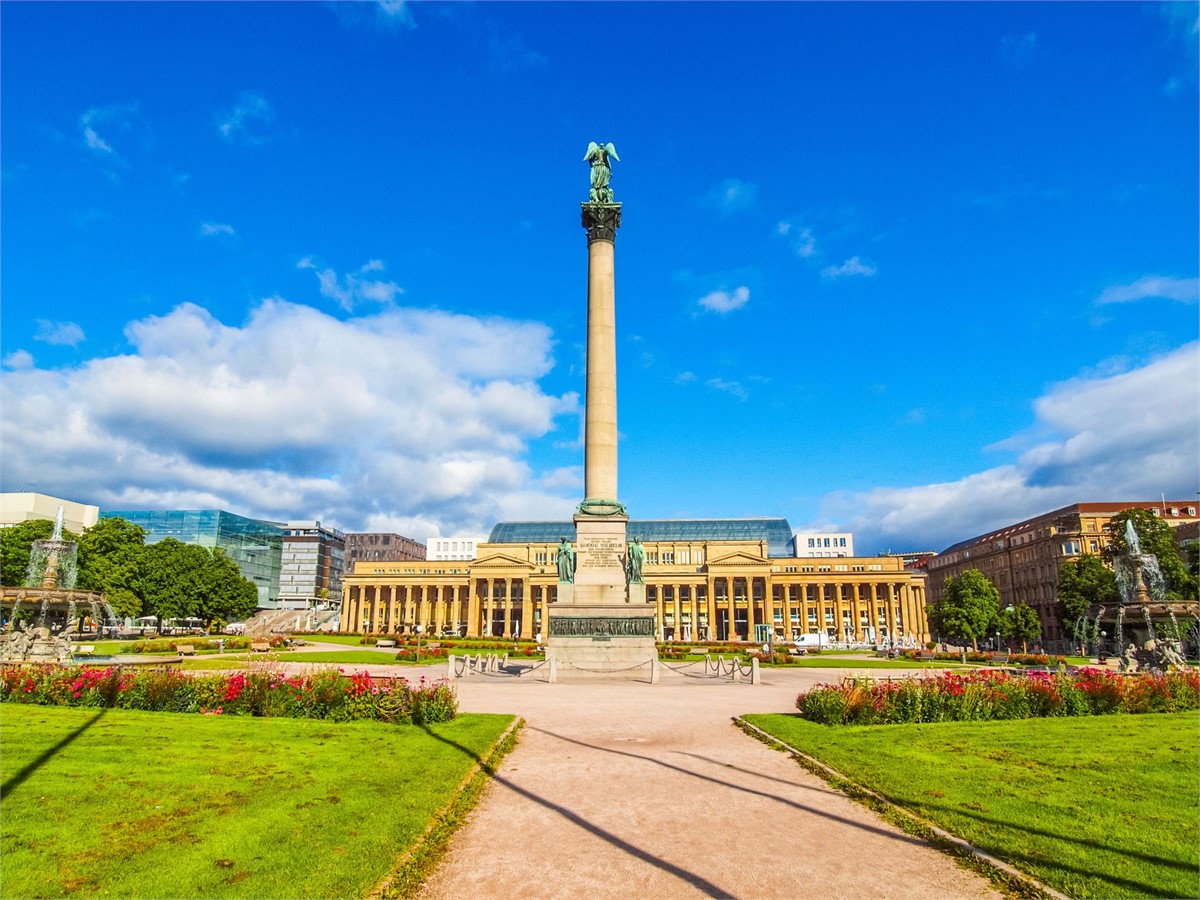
(143, 805)
(822, 662)
(352, 639)
(1102, 806)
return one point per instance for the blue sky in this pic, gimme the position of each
(910, 270)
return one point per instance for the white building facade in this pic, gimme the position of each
(824, 544)
(451, 548)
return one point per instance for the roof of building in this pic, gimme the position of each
(1108, 507)
(776, 532)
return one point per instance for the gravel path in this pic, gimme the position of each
(632, 790)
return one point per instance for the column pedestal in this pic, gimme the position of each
(600, 626)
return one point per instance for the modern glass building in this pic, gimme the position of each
(255, 545)
(775, 531)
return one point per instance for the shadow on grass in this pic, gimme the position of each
(697, 881)
(1026, 860)
(44, 757)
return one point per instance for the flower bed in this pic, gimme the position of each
(998, 695)
(325, 694)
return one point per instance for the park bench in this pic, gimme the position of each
(386, 642)
(261, 646)
(185, 649)
(928, 655)
(85, 650)
(1000, 659)
(797, 651)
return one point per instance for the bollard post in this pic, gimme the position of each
(655, 671)
(553, 664)
(755, 673)
(449, 666)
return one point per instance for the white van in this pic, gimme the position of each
(813, 641)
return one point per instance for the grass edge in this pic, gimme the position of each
(413, 866)
(1009, 880)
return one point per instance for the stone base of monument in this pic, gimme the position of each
(601, 641)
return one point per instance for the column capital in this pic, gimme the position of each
(601, 221)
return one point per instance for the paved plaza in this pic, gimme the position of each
(635, 790)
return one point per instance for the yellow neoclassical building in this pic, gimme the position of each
(709, 579)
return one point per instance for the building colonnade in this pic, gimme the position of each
(743, 606)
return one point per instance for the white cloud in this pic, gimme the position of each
(19, 359)
(1018, 50)
(118, 119)
(247, 122)
(734, 388)
(802, 240)
(66, 334)
(352, 287)
(1185, 290)
(724, 301)
(404, 416)
(384, 15)
(852, 266)
(211, 229)
(1127, 436)
(685, 377)
(731, 195)
(567, 478)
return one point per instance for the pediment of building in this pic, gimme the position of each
(500, 561)
(738, 560)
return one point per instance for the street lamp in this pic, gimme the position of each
(418, 630)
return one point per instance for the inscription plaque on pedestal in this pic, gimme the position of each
(600, 551)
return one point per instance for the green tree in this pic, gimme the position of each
(1157, 537)
(1021, 623)
(1082, 583)
(223, 592)
(969, 609)
(16, 542)
(187, 580)
(170, 575)
(110, 562)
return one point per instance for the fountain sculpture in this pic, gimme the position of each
(1144, 627)
(50, 603)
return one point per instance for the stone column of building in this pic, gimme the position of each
(507, 607)
(785, 601)
(472, 607)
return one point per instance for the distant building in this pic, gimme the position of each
(915, 559)
(381, 547)
(706, 579)
(254, 544)
(313, 560)
(25, 506)
(1023, 560)
(825, 544)
(459, 547)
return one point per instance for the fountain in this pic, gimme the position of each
(1145, 625)
(49, 597)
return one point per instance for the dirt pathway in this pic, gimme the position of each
(633, 790)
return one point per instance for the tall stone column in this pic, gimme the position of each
(600, 417)
(600, 620)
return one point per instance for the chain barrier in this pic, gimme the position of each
(491, 666)
(714, 668)
(567, 665)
